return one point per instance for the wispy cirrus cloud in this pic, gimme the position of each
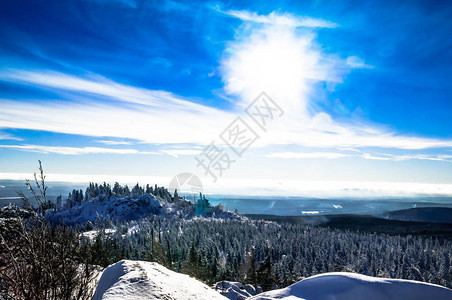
(402, 157)
(109, 142)
(7, 136)
(277, 18)
(177, 152)
(75, 150)
(100, 150)
(103, 108)
(438, 157)
(99, 85)
(365, 155)
(329, 155)
(358, 63)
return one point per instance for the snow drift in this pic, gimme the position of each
(235, 290)
(350, 286)
(139, 280)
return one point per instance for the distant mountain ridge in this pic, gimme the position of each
(422, 214)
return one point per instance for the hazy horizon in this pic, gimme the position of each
(283, 202)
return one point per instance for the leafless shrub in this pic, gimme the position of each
(39, 260)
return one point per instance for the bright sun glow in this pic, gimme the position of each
(277, 61)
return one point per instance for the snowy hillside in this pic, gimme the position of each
(101, 202)
(146, 280)
(350, 286)
(126, 208)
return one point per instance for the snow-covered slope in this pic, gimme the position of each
(126, 208)
(140, 280)
(132, 208)
(349, 286)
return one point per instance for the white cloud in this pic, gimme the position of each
(373, 157)
(275, 18)
(98, 85)
(365, 155)
(445, 156)
(7, 136)
(393, 157)
(85, 178)
(108, 142)
(75, 150)
(422, 157)
(358, 63)
(177, 152)
(156, 125)
(329, 155)
(146, 115)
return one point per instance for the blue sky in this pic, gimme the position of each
(141, 88)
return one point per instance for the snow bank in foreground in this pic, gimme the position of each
(145, 280)
(349, 286)
(139, 280)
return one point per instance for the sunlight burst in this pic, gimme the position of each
(277, 61)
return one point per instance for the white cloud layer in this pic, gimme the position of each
(151, 117)
(145, 115)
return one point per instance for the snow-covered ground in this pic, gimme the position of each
(91, 235)
(139, 280)
(350, 286)
(235, 290)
